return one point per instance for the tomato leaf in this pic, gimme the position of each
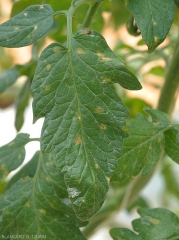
(154, 19)
(85, 119)
(8, 77)
(44, 201)
(26, 27)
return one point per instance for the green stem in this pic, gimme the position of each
(69, 26)
(90, 15)
(168, 94)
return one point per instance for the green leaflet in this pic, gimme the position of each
(85, 119)
(28, 169)
(154, 19)
(12, 154)
(26, 27)
(21, 104)
(40, 206)
(8, 77)
(172, 144)
(144, 146)
(154, 224)
(123, 234)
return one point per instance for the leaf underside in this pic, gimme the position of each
(26, 27)
(154, 224)
(154, 19)
(144, 146)
(40, 206)
(85, 119)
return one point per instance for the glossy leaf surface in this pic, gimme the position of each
(85, 119)
(26, 27)
(154, 19)
(144, 146)
(44, 202)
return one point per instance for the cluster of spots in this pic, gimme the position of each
(98, 110)
(103, 126)
(154, 221)
(47, 88)
(106, 80)
(78, 140)
(56, 49)
(86, 31)
(80, 51)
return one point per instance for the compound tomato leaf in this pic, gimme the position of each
(12, 154)
(26, 27)
(172, 144)
(154, 224)
(144, 146)
(85, 119)
(154, 19)
(8, 77)
(123, 233)
(42, 200)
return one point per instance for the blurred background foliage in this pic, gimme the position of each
(114, 22)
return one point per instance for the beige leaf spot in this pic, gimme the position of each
(106, 80)
(80, 51)
(156, 39)
(83, 200)
(79, 117)
(25, 14)
(41, 6)
(57, 49)
(105, 59)
(86, 31)
(154, 221)
(159, 140)
(48, 67)
(100, 54)
(47, 179)
(78, 139)
(96, 166)
(27, 205)
(47, 88)
(6, 212)
(35, 27)
(42, 211)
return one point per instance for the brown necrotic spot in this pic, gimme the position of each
(86, 31)
(78, 140)
(47, 88)
(106, 80)
(103, 126)
(98, 110)
(56, 49)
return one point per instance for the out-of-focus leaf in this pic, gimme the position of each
(12, 155)
(21, 104)
(139, 202)
(8, 77)
(44, 202)
(135, 105)
(28, 169)
(154, 19)
(172, 144)
(144, 146)
(159, 71)
(154, 224)
(26, 27)
(132, 27)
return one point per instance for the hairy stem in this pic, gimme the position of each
(168, 94)
(90, 15)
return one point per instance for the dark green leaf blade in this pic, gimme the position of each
(157, 223)
(154, 19)
(8, 77)
(154, 224)
(123, 234)
(144, 146)
(172, 144)
(12, 154)
(44, 202)
(21, 104)
(26, 27)
(85, 119)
